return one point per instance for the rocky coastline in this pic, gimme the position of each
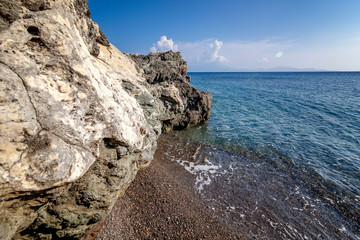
(78, 117)
(163, 203)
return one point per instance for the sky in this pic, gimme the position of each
(238, 35)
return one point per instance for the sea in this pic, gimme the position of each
(280, 156)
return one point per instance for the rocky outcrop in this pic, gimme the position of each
(78, 118)
(181, 104)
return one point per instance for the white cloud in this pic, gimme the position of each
(212, 54)
(242, 55)
(215, 47)
(164, 45)
(287, 53)
(203, 52)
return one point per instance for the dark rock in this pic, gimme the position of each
(89, 30)
(102, 39)
(9, 12)
(36, 5)
(163, 68)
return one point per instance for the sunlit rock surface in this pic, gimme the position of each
(78, 118)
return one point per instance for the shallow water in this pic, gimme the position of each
(280, 155)
(261, 197)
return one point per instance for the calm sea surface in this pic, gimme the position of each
(281, 153)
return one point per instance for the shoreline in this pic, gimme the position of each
(162, 203)
(249, 197)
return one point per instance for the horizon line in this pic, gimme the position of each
(320, 71)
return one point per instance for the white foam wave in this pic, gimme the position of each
(203, 171)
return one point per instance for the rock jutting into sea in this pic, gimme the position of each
(78, 117)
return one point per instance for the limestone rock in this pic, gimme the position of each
(78, 118)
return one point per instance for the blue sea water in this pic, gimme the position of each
(313, 118)
(306, 124)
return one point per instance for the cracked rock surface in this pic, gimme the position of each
(181, 105)
(78, 118)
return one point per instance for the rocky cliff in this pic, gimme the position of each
(78, 118)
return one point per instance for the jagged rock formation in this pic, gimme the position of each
(183, 104)
(78, 118)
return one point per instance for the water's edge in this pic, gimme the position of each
(266, 198)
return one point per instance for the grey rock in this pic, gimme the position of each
(78, 118)
(166, 74)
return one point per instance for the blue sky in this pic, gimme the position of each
(237, 35)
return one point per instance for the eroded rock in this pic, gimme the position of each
(180, 104)
(78, 118)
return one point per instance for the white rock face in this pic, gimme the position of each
(58, 101)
